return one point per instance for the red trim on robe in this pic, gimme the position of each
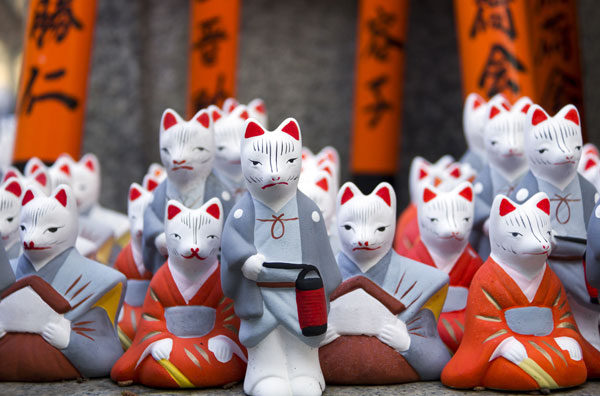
(451, 324)
(470, 366)
(163, 293)
(407, 230)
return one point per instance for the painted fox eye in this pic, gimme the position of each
(176, 236)
(211, 237)
(22, 228)
(516, 234)
(381, 229)
(52, 229)
(255, 163)
(199, 148)
(578, 147)
(291, 160)
(493, 142)
(542, 151)
(221, 148)
(165, 150)
(10, 219)
(467, 219)
(433, 219)
(347, 227)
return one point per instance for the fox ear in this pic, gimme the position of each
(536, 115)
(506, 207)
(203, 118)
(61, 197)
(29, 195)
(290, 126)
(572, 115)
(134, 192)
(494, 111)
(467, 193)
(323, 184)
(383, 192)
(172, 211)
(428, 195)
(15, 188)
(253, 129)
(41, 177)
(544, 205)
(169, 119)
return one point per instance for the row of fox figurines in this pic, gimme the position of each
(242, 259)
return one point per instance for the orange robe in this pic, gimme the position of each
(492, 294)
(451, 325)
(131, 314)
(190, 355)
(407, 230)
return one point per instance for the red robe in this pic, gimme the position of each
(407, 230)
(451, 324)
(492, 293)
(190, 356)
(131, 315)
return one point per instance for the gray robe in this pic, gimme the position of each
(413, 284)
(154, 217)
(238, 245)
(83, 283)
(476, 161)
(566, 258)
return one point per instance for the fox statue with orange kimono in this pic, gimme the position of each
(520, 334)
(187, 337)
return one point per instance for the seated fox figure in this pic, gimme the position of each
(58, 319)
(383, 320)
(187, 336)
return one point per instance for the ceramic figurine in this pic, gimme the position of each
(86, 186)
(507, 164)
(58, 319)
(278, 266)
(474, 117)
(383, 318)
(228, 136)
(445, 221)
(445, 175)
(258, 111)
(520, 334)
(328, 160)
(187, 149)
(188, 333)
(40, 179)
(589, 164)
(553, 149)
(129, 262)
(156, 174)
(229, 105)
(10, 210)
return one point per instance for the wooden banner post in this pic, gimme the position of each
(520, 47)
(378, 90)
(212, 59)
(53, 85)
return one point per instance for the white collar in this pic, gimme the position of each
(188, 287)
(529, 287)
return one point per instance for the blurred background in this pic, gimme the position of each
(297, 55)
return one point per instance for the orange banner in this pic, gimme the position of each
(53, 85)
(520, 47)
(212, 59)
(378, 86)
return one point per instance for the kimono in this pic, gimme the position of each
(260, 306)
(474, 159)
(89, 294)
(498, 309)
(190, 324)
(137, 286)
(451, 325)
(399, 287)
(155, 213)
(407, 230)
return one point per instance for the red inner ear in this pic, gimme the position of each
(169, 121)
(323, 184)
(494, 112)
(244, 115)
(525, 108)
(214, 211)
(34, 168)
(347, 195)
(478, 102)
(41, 178)
(232, 107)
(428, 195)
(203, 119)
(590, 163)
(422, 174)
(172, 211)
(506, 106)
(90, 165)
(260, 108)
(291, 128)
(455, 173)
(10, 174)
(61, 197)
(151, 185)
(538, 116)
(467, 193)
(134, 194)
(384, 193)
(506, 207)
(66, 170)
(253, 130)
(14, 188)
(572, 116)
(215, 115)
(544, 205)
(28, 197)
(328, 170)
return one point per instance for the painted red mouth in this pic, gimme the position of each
(513, 155)
(194, 254)
(452, 237)
(182, 167)
(365, 248)
(238, 162)
(4, 238)
(538, 254)
(31, 247)
(273, 184)
(565, 162)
